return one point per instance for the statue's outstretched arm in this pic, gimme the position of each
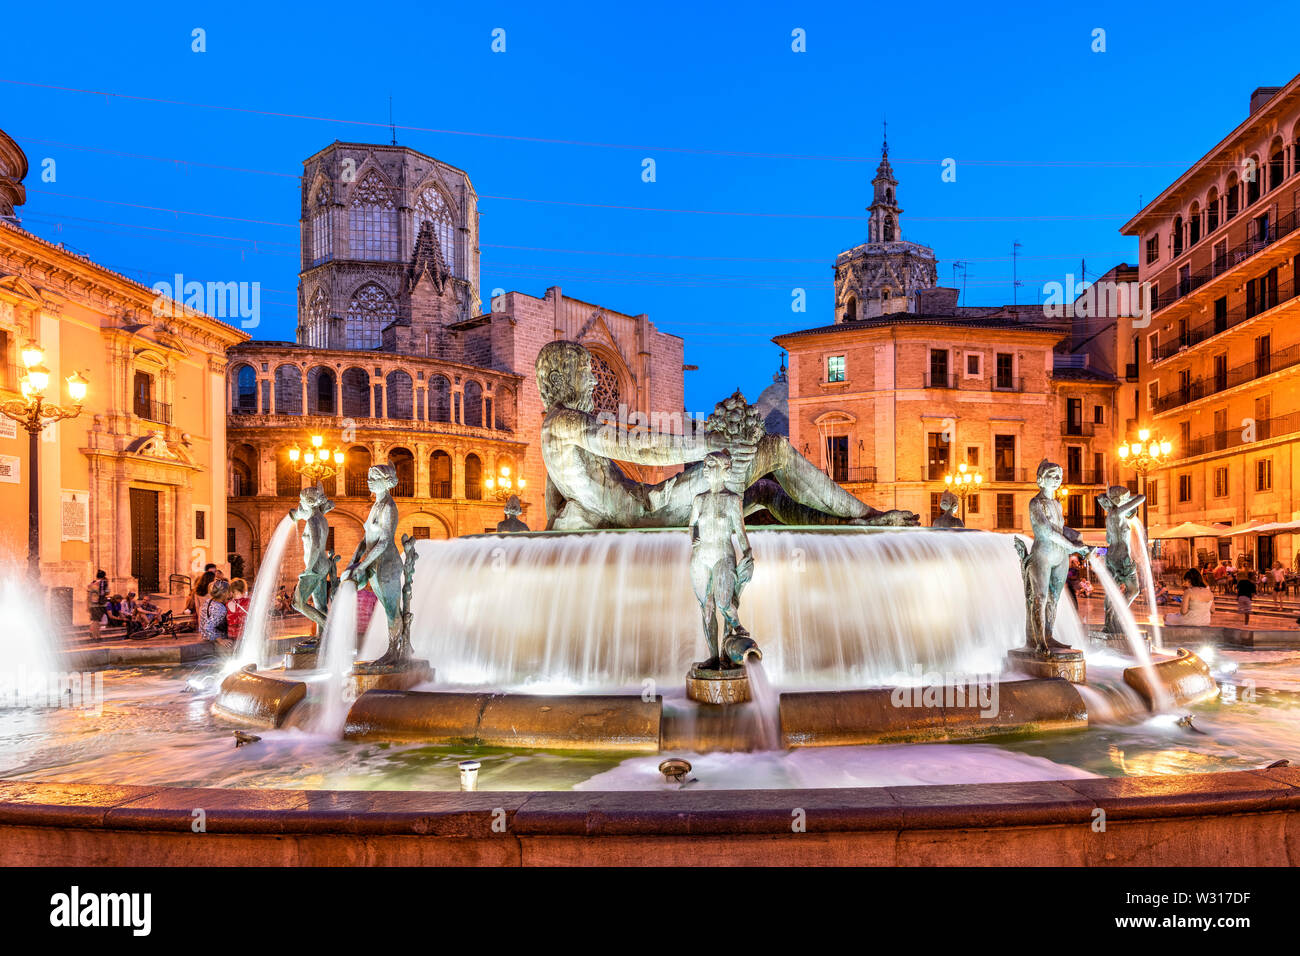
(639, 446)
(1133, 504)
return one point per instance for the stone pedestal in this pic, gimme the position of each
(710, 686)
(366, 676)
(1067, 663)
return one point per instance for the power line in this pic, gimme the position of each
(745, 154)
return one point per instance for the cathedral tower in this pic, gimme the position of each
(389, 250)
(884, 274)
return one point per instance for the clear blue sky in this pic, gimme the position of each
(1054, 144)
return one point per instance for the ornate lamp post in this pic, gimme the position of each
(33, 412)
(1145, 454)
(961, 483)
(503, 486)
(316, 462)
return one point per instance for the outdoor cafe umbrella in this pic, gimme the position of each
(1188, 529)
(1253, 526)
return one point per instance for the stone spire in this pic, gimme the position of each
(883, 223)
(428, 260)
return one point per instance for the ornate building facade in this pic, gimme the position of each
(1218, 367)
(906, 385)
(132, 485)
(397, 362)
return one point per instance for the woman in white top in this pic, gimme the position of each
(1198, 601)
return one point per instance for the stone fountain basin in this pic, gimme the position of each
(1242, 818)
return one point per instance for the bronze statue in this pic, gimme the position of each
(512, 522)
(1120, 505)
(948, 503)
(1046, 566)
(379, 564)
(716, 575)
(316, 583)
(586, 489)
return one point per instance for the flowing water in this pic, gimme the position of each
(28, 659)
(335, 657)
(1137, 644)
(1143, 557)
(829, 608)
(257, 625)
(767, 705)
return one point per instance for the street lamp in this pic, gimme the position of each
(316, 464)
(961, 483)
(1145, 454)
(503, 486)
(33, 412)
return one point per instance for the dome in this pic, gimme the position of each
(13, 168)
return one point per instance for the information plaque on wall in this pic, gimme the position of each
(76, 516)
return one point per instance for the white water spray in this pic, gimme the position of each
(1148, 581)
(767, 705)
(257, 624)
(835, 607)
(336, 656)
(1162, 701)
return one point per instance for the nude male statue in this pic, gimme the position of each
(586, 489)
(716, 575)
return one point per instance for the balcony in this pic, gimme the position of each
(1078, 429)
(863, 474)
(1234, 437)
(1131, 372)
(933, 380)
(1283, 292)
(1084, 477)
(1199, 388)
(1183, 286)
(152, 411)
(999, 475)
(355, 486)
(1006, 383)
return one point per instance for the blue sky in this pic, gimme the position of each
(1055, 145)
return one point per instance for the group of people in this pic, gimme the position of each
(218, 606)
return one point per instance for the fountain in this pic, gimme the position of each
(257, 625)
(561, 655)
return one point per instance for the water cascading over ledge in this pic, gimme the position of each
(830, 607)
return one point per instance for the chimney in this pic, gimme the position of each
(1261, 96)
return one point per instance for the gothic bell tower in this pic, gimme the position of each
(882, 226)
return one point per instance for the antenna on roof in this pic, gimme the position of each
(1015, 282)
(391, 128)
(959, 264)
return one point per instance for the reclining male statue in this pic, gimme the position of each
(586, 489)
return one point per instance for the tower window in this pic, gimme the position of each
(835, 368)
(372, 220)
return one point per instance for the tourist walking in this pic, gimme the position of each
(1246, 591)
(96, 598)
(1277, 578)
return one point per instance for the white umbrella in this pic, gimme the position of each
(1188, 529)
(1246, 527)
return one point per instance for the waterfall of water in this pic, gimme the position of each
(28, 658)
(335, 657)
(604, 610)
(1136, 643)
(1143, 558)
(767, 705)
(257, 624)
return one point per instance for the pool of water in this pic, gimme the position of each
(154, 728)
